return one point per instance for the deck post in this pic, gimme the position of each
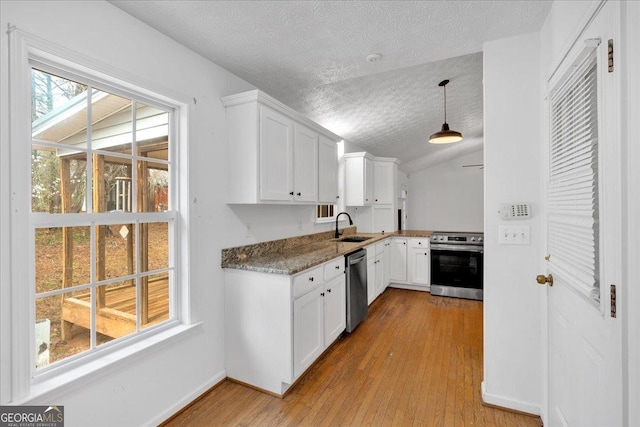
(99, 205)
(67, 241)
(143, 238)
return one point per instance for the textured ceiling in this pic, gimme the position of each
(311, 56)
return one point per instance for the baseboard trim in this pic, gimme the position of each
(188, 400)
(509, 404)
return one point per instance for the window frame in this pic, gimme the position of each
(17, 322)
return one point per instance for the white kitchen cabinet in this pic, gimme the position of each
(335, 309)
(308, 329)
(358, 179)
(371, 275)
(273, 153)
(305, 164)
(398, 271)
(327, 170)
(277, 325)
(384, 181)
(375, 271)
(383, 219)
(386, 274)
(276, 156)
(419, 261)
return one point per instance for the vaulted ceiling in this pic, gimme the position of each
(310, 55)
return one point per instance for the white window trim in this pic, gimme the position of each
(16, 323)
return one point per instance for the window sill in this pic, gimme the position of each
(58, 384)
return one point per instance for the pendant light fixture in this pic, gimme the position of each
(445, 135)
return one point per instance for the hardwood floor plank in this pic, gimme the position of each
(416, 360)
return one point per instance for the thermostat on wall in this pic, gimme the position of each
(515, 211)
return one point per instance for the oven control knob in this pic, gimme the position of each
(441, 238)
(479, 239)
(473, 239)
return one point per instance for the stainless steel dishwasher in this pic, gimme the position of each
(357, 307)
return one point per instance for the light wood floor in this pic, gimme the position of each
(415, 361)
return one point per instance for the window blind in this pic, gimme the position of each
(573, 181)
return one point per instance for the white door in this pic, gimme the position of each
(368, 181)
(305, 165)
(583, 237)
(379, 285)
(386, 277)
(276, 175)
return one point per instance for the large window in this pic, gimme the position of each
(103, 215)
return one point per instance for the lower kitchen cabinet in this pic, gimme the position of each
(308, 329)
(410, 263)
(398, 270)
(335, 309)
(376, 281)
(278, 325)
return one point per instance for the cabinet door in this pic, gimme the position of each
(335, 309)
(305, 165)
(308, 334)
(419, 266)
(383, 220)
(276, 175)
(371, 280)
(379, 279)
(386, 276)
(383, 179)
(327, 170)
(398, 260)
(368, 181)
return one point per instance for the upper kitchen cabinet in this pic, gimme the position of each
(359, 176)
(327, 170)
(276, 155)
(370, 180)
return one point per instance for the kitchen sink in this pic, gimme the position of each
(355, 239)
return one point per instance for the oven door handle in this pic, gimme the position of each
(457, 248)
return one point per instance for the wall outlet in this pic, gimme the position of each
(514, 235)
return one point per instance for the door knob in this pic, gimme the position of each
(542, 279)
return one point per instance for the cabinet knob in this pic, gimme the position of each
(291, 193)
(337, 197)
(404, 243)
(337, 267)
(419, 243)
(329, 290)
(376, 200)
(321, 293)
(299, 194)
(311, 279)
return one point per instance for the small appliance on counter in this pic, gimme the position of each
(457, 265)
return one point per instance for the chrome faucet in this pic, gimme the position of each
(338, 233)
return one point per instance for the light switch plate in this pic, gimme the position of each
(514, 235)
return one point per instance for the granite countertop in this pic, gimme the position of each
(296, 254)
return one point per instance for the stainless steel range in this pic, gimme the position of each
(457, 265)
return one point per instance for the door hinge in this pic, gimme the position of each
(613, 301)
(610, 55)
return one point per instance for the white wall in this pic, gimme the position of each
(448, 196)
(146, 391)
(512, 300)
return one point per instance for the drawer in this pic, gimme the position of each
(371, 252)
(333, 268)
(307, 280)
(419, 242)
(380, 247)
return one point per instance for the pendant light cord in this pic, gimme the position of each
(445, 102)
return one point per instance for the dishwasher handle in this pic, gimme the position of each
(357, 258)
